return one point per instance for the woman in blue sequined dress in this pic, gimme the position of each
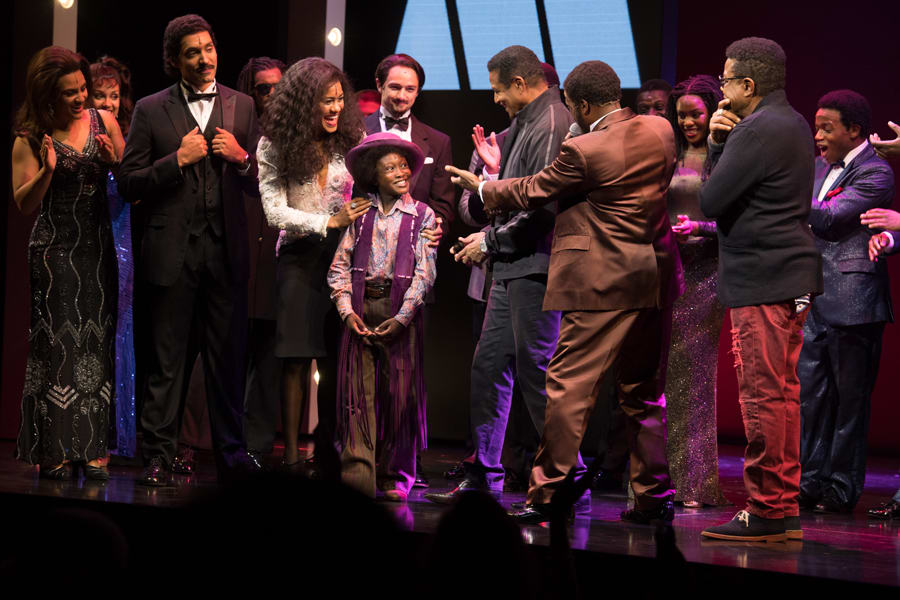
(112, 92)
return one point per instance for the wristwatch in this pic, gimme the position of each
(483, 246)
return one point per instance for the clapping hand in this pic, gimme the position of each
(107, 150)
(685, 227)
(722, 122)
(889, 148)
(487, 149)
(471, 252)
(48, 154)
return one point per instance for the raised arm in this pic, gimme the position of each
(31, 178)
(738, 165)
(839, 214)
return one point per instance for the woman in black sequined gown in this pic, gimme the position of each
(61, 157)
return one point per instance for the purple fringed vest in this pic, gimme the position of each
(401, 420)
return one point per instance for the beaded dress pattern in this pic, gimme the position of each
(692, 446)
(69, 377)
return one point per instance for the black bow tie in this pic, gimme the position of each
(195, 97)
(402, 123)
(837, 165)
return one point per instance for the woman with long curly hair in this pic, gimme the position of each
(310, 123)
(697, 318)
(60, 158)
(112, 92)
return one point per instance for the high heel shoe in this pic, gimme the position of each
(57, 473)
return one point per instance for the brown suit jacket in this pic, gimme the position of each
(613, 247)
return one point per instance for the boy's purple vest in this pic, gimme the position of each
(403, 420)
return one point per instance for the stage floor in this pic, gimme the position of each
(851, 548)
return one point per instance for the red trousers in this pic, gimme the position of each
(766, 341)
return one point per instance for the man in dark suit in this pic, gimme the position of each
(399, 79)
(842, 335)
(759, 193)
(614, 273)
(189, 156)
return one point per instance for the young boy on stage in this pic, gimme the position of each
(379, 277)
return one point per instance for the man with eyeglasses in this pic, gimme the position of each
(759, 193)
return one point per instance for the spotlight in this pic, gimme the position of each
(66, 3)
(334, 36)
(316, 377)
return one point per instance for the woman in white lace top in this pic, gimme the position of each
(306, 191)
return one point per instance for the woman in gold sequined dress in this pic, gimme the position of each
(697, 321)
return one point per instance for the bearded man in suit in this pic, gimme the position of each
(614, 273)
(842, 334)
(188, 158)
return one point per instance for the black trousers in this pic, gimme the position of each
(837, 371)
(262, 397)
(204, 299)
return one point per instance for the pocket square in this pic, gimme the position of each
(428, 160)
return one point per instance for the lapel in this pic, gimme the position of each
(229, 100)
(821, 173)
(420, 138)
(373, 123)
(507, 144)
(176, 109)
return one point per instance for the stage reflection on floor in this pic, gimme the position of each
(845, 547)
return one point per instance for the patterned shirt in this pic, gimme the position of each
(381, 259)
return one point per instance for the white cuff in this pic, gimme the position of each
(490, 176)
(480, 187)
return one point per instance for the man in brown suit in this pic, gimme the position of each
(614, 272)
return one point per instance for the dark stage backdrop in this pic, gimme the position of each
(817, 61)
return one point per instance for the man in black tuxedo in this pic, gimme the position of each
(842, 335)
(399, 78)
(188, 158)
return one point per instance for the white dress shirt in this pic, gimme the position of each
(200, 109)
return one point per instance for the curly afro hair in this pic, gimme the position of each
(854, 109)
(293, 119)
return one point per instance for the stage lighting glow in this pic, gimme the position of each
(66, 3)
(316, 377)
(335, 36)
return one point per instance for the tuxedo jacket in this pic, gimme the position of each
(857, 290)
(149, 173)
(758, 193)
(612, 247)
(431, 184)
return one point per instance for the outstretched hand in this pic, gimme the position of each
(881, 218)
(685, 228)
(464, 179)
(886, 148)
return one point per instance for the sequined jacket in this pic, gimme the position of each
(857, 290)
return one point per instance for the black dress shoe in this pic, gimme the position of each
(421, 481)
(664, 512)
(582, 505)
(531, 514)
(830, 506)
(155, 474)
(457, 471)
(183, 463)
(466, 485)
(885, 512)
(807, 501)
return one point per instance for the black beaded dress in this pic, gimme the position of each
(69, 377)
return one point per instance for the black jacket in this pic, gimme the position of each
(759, 194)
